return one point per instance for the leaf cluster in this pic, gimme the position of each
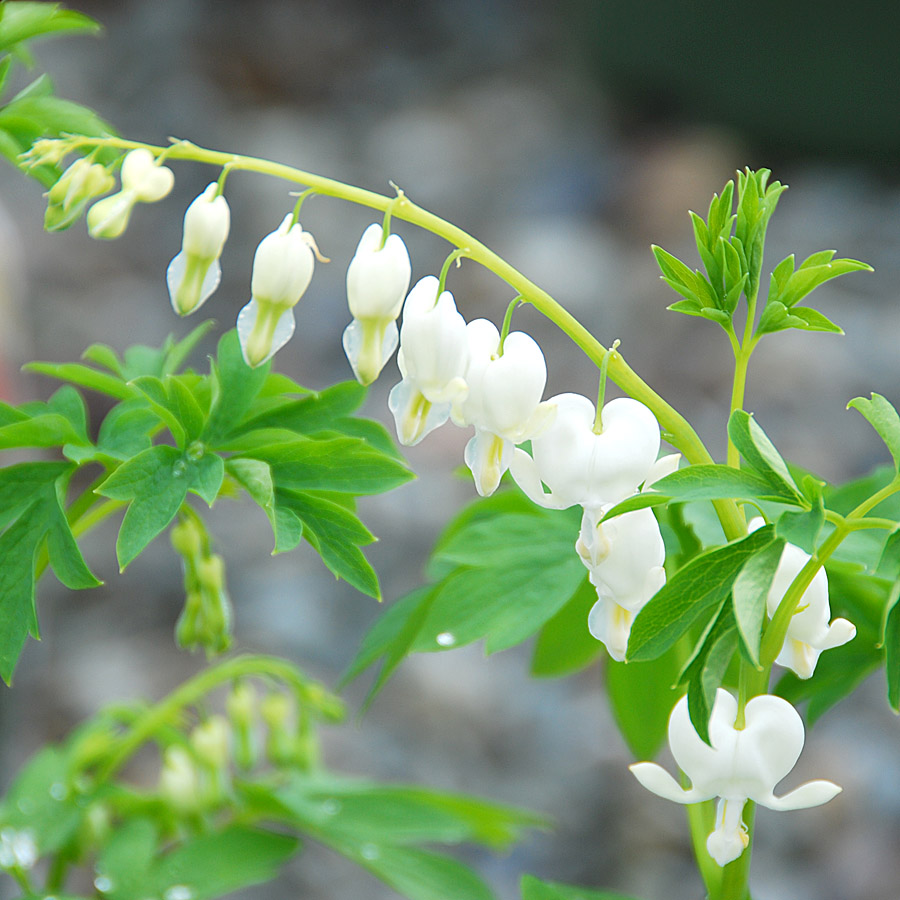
(302, 456)
(731, 242)
(35, 111)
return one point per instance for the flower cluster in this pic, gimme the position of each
(738, 764)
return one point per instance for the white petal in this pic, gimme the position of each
(365, 352)
(414, 415)
(525, 472)
(487, 457)
(284, 329)
(610, 624)
(655, 778)
(813, 793)
(175, 274)
(665, 465)
(769, 745)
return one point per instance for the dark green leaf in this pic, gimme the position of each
(751, 588)
(336, 533)
(697, 589)
(345, 465)
(882, 416)
(184, 405)
(564, 645)
(706, 669)
(156, 482)
(313, 413)
(235, 387)
(126, 430)
(207, 474)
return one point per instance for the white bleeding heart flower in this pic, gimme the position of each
(377, 281)
(282, 270)
(582, 467)
(738, 765)
(624, 558)
(432, 359)
(75, 188)
(503, 400)
(143, 181)
(194, 273)
(809, 632)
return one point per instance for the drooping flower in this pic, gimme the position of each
(377, 281)
(143, 181)
(624, 558)
(282, 270)
(583, 467)
(503, 400)
(740, 765)
(809, 632)
(76, 187)
(194, 273)
(432, 359)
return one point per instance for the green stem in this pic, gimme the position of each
(679, 431)
(701, 821)
(738, 389)
(735, 883)
(194, 690)
(507, 322)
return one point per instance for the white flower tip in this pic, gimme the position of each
(725, 846)
(656, 779)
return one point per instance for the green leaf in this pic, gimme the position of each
(345, 465)
(641, 696)
(698, 588)
(211, 865)
(336, 533)
(803, 528)
(882, 416)
(127, 858)
(807, 319)
(104, 356)
(51, 430)
(126, 430)
(65, 556)
(25, 21)
(760, 453)
(564, 645)
(705, 670)
(184, 405)
(810, 276)
(751, 588)
(207, 474)
(155, 482)
(534, 889)
(175, 353)
(313, 413)
(83, 376)
(235, 387)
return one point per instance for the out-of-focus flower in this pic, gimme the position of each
(582, 467)
(282, 270)
(76, 187)
(377, 281)
(432, 359)
(194, 273)
(143, 181)
(741, 764)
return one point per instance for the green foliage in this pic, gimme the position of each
(301, 456)
(564, 645)
(34, 111)
(493, 583)
(882, 416)
(731, 247)
(534, 889)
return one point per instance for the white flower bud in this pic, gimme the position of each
(194, 273)
(377, 281)
(282, 269)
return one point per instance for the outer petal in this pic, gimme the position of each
(655, 778)
(813, 793)
(282, 334)
(488, 457)
(528, 478)
(482, 341)
(369, 344)
(378, 277)
(513, 385)
(414, 415)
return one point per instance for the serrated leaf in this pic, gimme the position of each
(564, 645)
(336, 533)
(882, 416)
(641, 696)
(345, 465)
(694, 590)
(750, 591)
(155, 482)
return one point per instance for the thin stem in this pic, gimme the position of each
(507, 322)
(194, 690)
(601, 390)
(455, 257)
(680, 432)
(701, 821)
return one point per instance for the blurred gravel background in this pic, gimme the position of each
(567, 136)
